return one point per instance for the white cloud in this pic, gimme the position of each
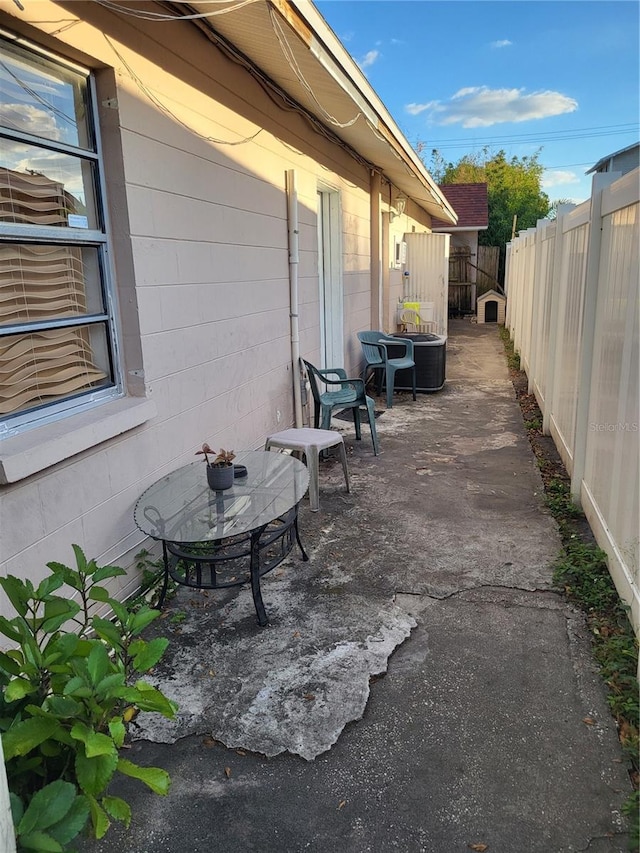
(501, 43)
(558, 178)
(31, 119)
(369, 58)
(479, 106)
(416, 109)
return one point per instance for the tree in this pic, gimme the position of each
(514, 189)
(552, 213)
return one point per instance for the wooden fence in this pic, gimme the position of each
(573, 313)
(487, 272)
(470, 277)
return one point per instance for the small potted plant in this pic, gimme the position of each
(219, 467)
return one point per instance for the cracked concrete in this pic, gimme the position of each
(292, 687)
(490, 725)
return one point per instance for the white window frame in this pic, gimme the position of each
(97, 239)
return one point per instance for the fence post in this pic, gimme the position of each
(537, 307)
(555, 284)
(592, 274)
(528, 297)
(507, 273)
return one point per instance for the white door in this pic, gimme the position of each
(330, 280)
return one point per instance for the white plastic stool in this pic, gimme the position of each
(311, 442)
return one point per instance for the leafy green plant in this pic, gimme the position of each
(67, 696)
(534, 424)
(558, 499)
(150, 567)
(631, 809)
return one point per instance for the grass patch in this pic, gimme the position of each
(513, 358)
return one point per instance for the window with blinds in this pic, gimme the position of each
(57, 334)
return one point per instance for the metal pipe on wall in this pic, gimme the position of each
(376, 262)
(294, 260)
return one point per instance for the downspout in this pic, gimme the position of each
(294, 260)
(376, 266)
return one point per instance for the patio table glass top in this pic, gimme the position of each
(181, 508)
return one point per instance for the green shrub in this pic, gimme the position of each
(67, 696)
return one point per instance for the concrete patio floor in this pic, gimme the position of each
(421, 686)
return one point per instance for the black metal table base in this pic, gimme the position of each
(233, 561)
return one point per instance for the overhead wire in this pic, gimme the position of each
(535, 139)
(132, 12)
(274, 92)
(277, 95)
(631, 125)
(289, 55)
(166, 111)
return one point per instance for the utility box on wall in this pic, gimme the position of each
(491, 307)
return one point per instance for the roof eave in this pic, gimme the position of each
(375, 137)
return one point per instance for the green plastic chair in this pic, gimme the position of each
(347, 394)
(374, 348)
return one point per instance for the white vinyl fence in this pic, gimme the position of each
(573, 314)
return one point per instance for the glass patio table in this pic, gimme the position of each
(218, 539)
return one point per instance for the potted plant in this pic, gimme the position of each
(219, 467)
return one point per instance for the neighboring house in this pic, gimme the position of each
(623, 161)
(167, 189)
(470, 202)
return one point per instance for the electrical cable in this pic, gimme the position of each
(515, 136)
(162, 18)
(277, 95)
(166, 111)
(274, 92)
(534, 139)
(289, 55)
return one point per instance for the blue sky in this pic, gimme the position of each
(459, 75)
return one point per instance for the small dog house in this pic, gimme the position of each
(491, 307)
